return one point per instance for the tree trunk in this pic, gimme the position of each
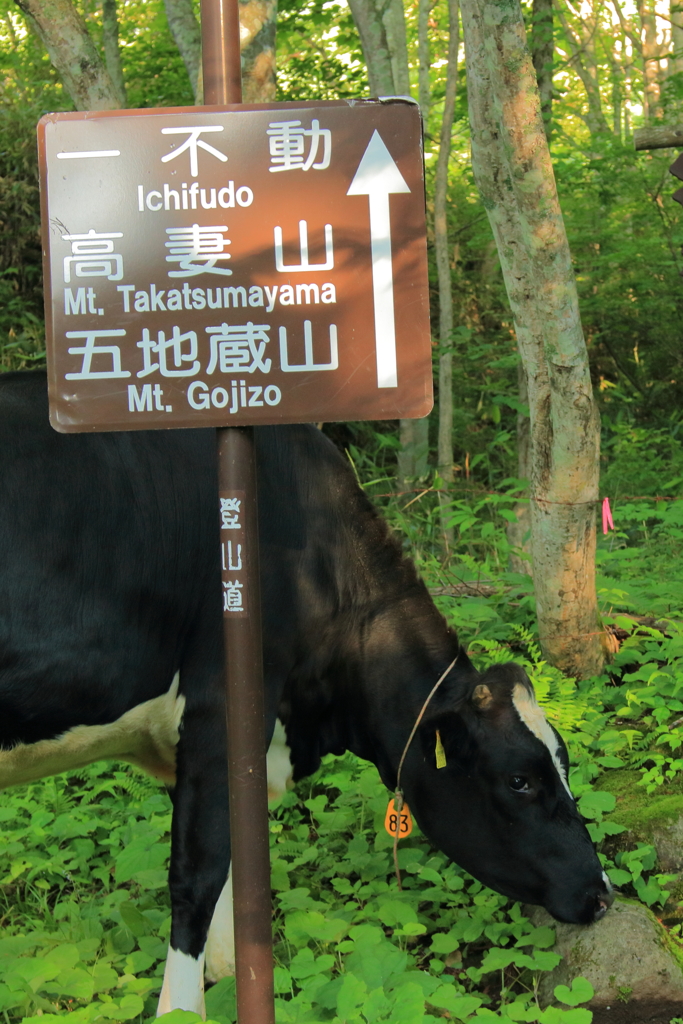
(413, 464)
(395, 24)
(543, 52)
(382, 31)
(582, 59)
(518, 530)
(424, 92)
(443, 267)
(112, 53)
(258, 21)
(651, 53)
(188, 38)
(676, 15)
(512, 167)
(73, 53)
(373, 38)
(664, 137)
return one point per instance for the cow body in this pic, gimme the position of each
(111, 646)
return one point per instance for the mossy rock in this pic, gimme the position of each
(655, 818)
(625, 956)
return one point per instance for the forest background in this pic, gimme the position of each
(82, 868)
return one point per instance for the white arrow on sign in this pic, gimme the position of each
(377, 178)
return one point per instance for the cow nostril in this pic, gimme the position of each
(601, 910)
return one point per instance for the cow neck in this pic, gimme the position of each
(398, 792)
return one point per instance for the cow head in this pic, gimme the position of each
(500, 806)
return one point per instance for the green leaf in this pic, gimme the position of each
(580, 992)
(554, 1015)
(104, 977)
(350, 996)
(140, 855)
(76, 982)
(393, 913)
(542, 937)
(375, 1006)
(444, 942)
(124, 1009)
(459, 1006)
(63, 956)
(220, 999)
(545, 960)
(137, 962)
(179, 1017)
(414, 928)
(409, 1004)
(35, 971)
(596, 802)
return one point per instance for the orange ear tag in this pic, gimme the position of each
(406, 821)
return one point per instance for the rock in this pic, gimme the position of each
(668, 842)
(655, 818)
(625, 956)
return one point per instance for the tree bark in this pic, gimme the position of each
(258, 21)
(443, 268)
(395, 24)
(519, 530)
(666, 137)
(413, 458)
(676, 15)
(543, 52)
(582, 59)
(382, 31)
(188, 38)
(651, 53)
(73, 53)
(112, 52)
(512, 167)
(373, 38)
(424, 92)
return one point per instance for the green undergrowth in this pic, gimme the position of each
(83, 860)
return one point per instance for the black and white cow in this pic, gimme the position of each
(111, 647)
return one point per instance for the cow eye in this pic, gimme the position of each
(519, 784)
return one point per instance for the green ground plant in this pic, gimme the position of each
(83, 858)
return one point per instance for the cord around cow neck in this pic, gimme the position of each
(398, 792)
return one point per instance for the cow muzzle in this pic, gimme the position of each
(604, 899)
(588, 905)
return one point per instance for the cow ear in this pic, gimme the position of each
(446, 741)
(482, 698)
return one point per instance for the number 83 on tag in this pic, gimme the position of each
(405, 826)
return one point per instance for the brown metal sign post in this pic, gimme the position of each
(247, 774)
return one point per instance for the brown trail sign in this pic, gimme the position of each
(215, 267)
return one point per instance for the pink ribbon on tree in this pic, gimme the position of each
(607, 521)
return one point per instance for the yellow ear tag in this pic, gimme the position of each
(405, 825)
(439, 752)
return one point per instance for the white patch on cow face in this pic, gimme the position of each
(146, 735)
(183, 987)
(531, 714)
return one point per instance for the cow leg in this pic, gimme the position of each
(220, 946)
(200, 847)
